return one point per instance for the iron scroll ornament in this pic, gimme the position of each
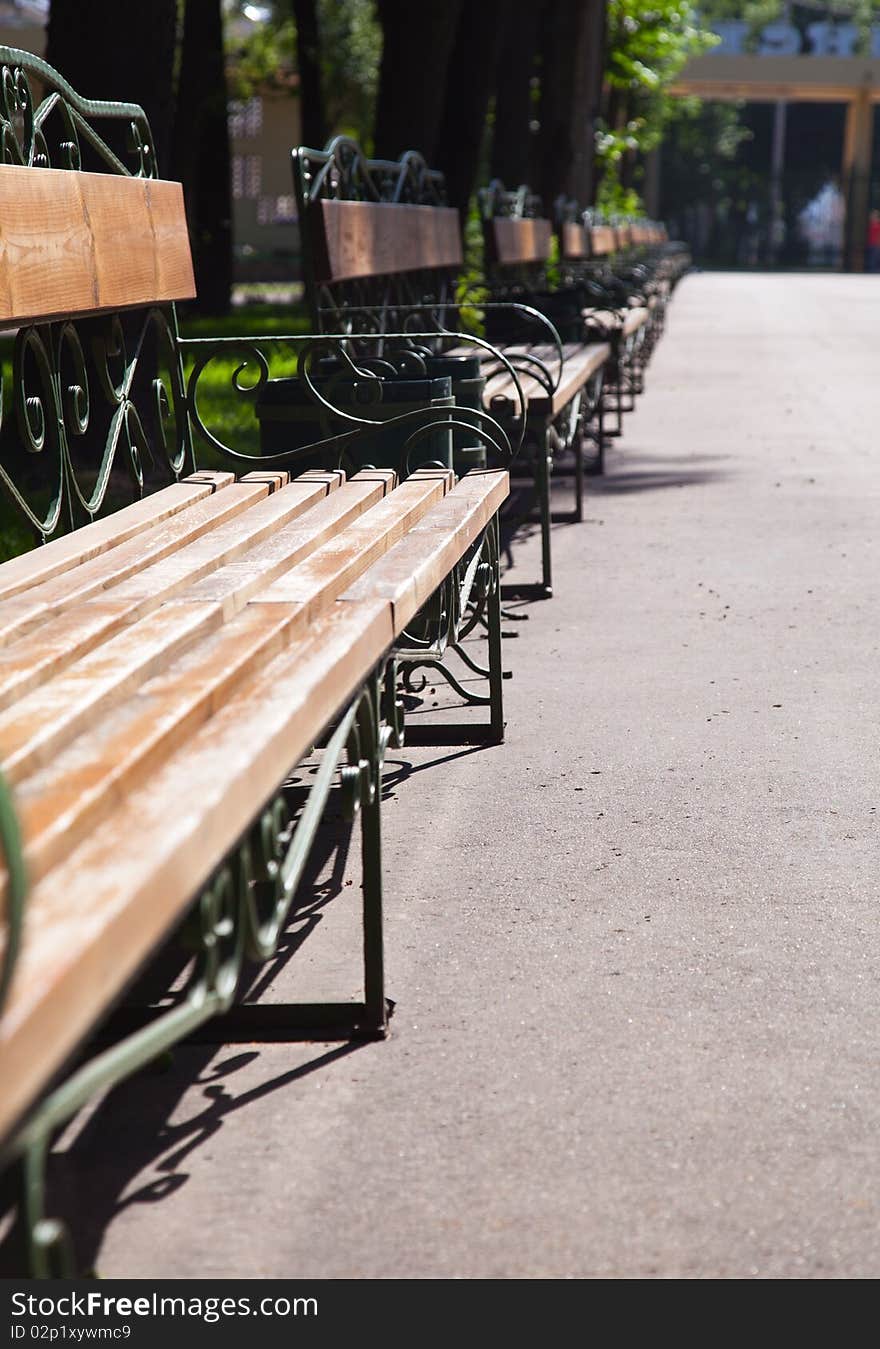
(91, 397)
(83, 401)
(252, 370)
(49, 132)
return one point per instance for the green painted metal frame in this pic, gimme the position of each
(434, 298)
(62, 373)
(240, 914)
(244, 907)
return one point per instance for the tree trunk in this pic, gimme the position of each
(313, 114)
(108, 51)
(587, 105)
(569, 80)
(417, 43)
(511, 144)
(202, 158)
(469, 86)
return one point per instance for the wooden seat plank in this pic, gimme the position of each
(255, 515)
(89, 930)
(233, 584)
(417, 564)
(182, 567)
(69, 795)
(110, 569)
(38, 656)
(333, 566)
(40, 724)
(634, 319)
(581, 363)
(44, 563)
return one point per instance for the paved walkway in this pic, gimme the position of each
(635, 950)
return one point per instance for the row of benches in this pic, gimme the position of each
(165, 666)
(383, 253)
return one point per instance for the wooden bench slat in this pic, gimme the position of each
(111, 569)
(182, 567)
(581, 363)
(41, 724)
(575, 241)
(330, 568)
(44, 563)
(603, 240)
(104, 242)
(518, 241)
(89, 929)
(69, 790)
(234, 583)
(65, 799)
(416, 565)
(42, 652)
(635, 319)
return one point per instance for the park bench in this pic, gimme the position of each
(606, 281)
(164, 667)
(382, 252)
(597, 335)
(603, 269)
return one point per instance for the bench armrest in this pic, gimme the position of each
(297, 354)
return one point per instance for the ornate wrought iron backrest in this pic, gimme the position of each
(518, 238)
(93, 405)
(394, 261)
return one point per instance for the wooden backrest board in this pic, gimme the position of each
(603, 240)
(75, 243)
(512, 241)
(360, 239)
(574, 241)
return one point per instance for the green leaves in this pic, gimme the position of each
(648, 44)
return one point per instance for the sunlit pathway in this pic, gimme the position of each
(635, 950)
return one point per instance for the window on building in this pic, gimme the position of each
(276, 210)
(245, 118)
(247, 176)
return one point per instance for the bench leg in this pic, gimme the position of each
(375, 1005)
(38, 1244)
(496, 669)
(579, 474)
(543, 465)
(469, 599)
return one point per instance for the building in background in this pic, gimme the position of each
(262, 130)
(815, 161)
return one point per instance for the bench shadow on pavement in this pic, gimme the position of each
(627, 472)
(94, 1172)
(132, 1147)
(633, 472)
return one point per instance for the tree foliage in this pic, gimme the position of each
(648, 43)
(344, 40)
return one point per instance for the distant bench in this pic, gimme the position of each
(382, 252)
(164, 667)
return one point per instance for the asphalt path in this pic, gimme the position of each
(635, 949)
